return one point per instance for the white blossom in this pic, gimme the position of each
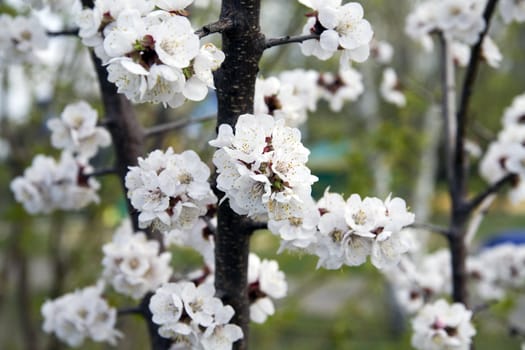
(192, 316)
(77, 131)
(265, 283)
(262, 163)
(339, 27)
(457, 20)
(171, 191)
(279, 100)
(347, 85)
(349, 232)
(390, 90)
(48, 185)
(512, 10)
(21, 38)
(382, 51)
(79, 315)
(442, 326)
(133, 265)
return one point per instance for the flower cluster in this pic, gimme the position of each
(347, 85)
(79, 315)
(512, 10)
(496, 270)
(441, 326)
(48, 185)
(491, 274)
(416, 283)
(151, 49)
(281, 100)
(381, 51)
(340, 27)
(489, 52)
(199, 238)
(132, 263)
(193, 317)
(349, 232)
(507, 154)
(262, 168)
(171, 191)
(265, 281)
(291, 95)
(21, 37)
(457, 20)
(76, 131)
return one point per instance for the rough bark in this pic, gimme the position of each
(126, 131)
(243, 45)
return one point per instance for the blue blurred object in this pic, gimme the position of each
(512, 236)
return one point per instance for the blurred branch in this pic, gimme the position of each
(23, 297)
(448, 107)
(56, 253)
(65, 32)
(290, 39)
(215, 27)
(493, 188)
(102, 172)
(432, 228)
(458, 216)
(178, 124)
(466, 94)
(129, 311)
(477, 218)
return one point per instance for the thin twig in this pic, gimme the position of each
(129, 311)
(466, 94)
(482, 307)
(215, 27)
(431, 227)
(290, 39)
(65, 32)
(493, 188)
(102, 172)
(178, 124)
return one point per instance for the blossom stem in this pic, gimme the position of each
(289, 39)
(175, 125)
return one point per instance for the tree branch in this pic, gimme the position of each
(289, 39)
(215, 27)
(177, 124)
(493, 188)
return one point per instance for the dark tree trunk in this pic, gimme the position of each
(243, 45)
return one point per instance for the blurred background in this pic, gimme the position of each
(370, 148)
